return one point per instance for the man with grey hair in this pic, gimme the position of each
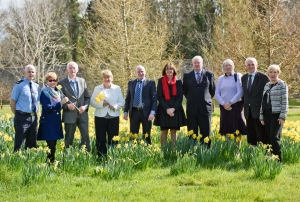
(75, 111)
(199, 89)
(141, 103)
(24, 105)
(253, 85)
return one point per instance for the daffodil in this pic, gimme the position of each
(116, 138)
(206, 139)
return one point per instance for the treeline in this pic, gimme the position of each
(120, 34)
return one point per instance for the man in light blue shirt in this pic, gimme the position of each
(24, 105)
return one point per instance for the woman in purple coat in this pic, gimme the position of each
(50, 128)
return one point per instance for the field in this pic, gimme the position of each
(134, 171)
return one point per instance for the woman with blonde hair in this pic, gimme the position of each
(274, 108)
(50, 128)
(108, 99)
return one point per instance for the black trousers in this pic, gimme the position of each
(200, 121)
(255, 131)
(52, 146)
(25, 129)
(105, 126)
(137, 117)
(273, 130)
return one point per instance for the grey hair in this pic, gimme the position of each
(28, 66)
(72, 63)
(251, 58)
(227, 61)
(197, 57)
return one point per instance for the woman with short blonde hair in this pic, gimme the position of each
(274, 108)
(108, 99)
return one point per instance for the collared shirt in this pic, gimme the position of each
(22, 95)
(75, 81)
(196, 74)
(252, 77)
(141, 93)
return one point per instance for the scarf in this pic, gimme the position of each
(52, 94)
(165, 87)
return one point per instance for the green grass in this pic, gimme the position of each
(158, 185)
(294, 103)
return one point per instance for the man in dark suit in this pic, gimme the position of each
(141, 103)
(253, 85)
(199, 89)
(75, 111)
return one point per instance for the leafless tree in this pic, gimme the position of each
(124, 37)
(266, 29)
(34, 35)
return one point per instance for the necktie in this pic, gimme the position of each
(73, 85)
(198, 78)
(249, 83)
(137, 94)
(33, 101)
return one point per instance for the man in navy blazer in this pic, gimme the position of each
(252, 102)
(199, 89)
(141, 103)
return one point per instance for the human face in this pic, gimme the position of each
(251, 66)
(52, 82)
(169, 72)
(106, 80)
(197, 64)
(273, 76)
(72, 70)
(29, 72)
(140, 73)
(228, 68)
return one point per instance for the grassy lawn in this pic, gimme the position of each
(157, 184)
(228, 180)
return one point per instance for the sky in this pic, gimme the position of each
(5, 3)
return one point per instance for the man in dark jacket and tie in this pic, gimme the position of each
(141, 103)
(253, 85)
(199, 89)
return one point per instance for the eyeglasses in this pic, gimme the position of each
(52, 80)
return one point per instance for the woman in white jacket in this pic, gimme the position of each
(107, 98)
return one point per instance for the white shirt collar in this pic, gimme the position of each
(71, 79)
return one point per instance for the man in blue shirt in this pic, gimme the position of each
(24, 104)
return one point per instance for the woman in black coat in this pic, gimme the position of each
(170, 114)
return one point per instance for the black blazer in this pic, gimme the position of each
(256, 93)
(149, 97)
(199, 96)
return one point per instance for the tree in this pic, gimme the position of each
(266, 29)
(122, 37)
(74, 25)
(34, 35)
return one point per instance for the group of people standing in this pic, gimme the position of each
(264, 102)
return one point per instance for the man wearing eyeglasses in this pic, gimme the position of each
(24, 105)
(75, 112)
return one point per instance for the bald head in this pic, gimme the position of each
(140, 72)
(29, 72)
